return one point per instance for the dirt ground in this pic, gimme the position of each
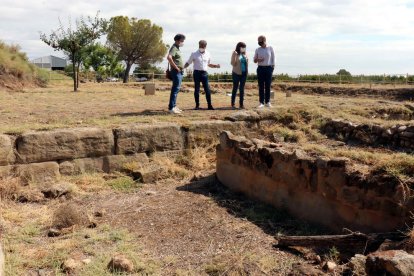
(185, 224)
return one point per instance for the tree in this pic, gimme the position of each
(72, 41)
(102, 60)
(136, 41)
(343, 72)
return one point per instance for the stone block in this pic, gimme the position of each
(64, 144)
(148, 138)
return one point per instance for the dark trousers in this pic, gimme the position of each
(238, 82)
(264, 78)
(201, 76)
(177, 78)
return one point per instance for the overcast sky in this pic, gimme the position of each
(318, 36)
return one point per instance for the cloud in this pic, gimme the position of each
(318, 36)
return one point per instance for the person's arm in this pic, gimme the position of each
(190, 60)
(171, 60)
(212, 65)
(256, 57)
(272, 58)
(233, 58)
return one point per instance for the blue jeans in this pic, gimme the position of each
(238, 80)
(177, 78)
(201, 76)
(264, 78)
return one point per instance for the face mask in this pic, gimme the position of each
(261, 43)
(181, 44)
(202, 50)
(242, 50)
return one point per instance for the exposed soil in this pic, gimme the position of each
(198, 224)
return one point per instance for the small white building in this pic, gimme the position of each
(50, 62)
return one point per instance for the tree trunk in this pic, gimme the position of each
(127, 69)
(77, 76)
(75, 81)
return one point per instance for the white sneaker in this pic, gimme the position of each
(269, 105)
(260, 106)
(179, 110)
(174, 111)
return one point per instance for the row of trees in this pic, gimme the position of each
(325, 78)
(131, 40)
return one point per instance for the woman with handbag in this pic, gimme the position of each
(240, 62)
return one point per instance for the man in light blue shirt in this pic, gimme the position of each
(265, 58)
(201, 60)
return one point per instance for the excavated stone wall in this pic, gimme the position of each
(43, 156)
(329, 192)
(401, 136)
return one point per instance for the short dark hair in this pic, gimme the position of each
(202, 43)
(240, 45)
(179, 37)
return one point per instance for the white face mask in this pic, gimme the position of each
(242, 50)
(181, 44)
(202, 50)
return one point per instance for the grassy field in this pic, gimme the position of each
(109, 105)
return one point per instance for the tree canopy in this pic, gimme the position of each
(72, 41)
(136, 41)
(343, 72)
(102, 60)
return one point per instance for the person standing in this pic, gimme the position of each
(176, 62)
(265, 58)
(240, 62)
(201, 59)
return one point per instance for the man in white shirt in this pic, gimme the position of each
(201, 60)
(265, 58)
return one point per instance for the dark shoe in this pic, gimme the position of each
(210, 107)
(233, 106)
(197, 107)
(242, 107)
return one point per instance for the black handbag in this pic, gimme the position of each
(168, 72)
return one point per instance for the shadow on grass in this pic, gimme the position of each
(271, 220)
(146, 112)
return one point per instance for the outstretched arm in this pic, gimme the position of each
(213, 65)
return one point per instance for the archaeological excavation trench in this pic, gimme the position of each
(259, 154)
(332, 191)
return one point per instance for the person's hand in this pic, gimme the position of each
(259, 59)
(218, 66)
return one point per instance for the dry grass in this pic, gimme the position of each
(109, 105)
(68, 215)
(9, 188)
